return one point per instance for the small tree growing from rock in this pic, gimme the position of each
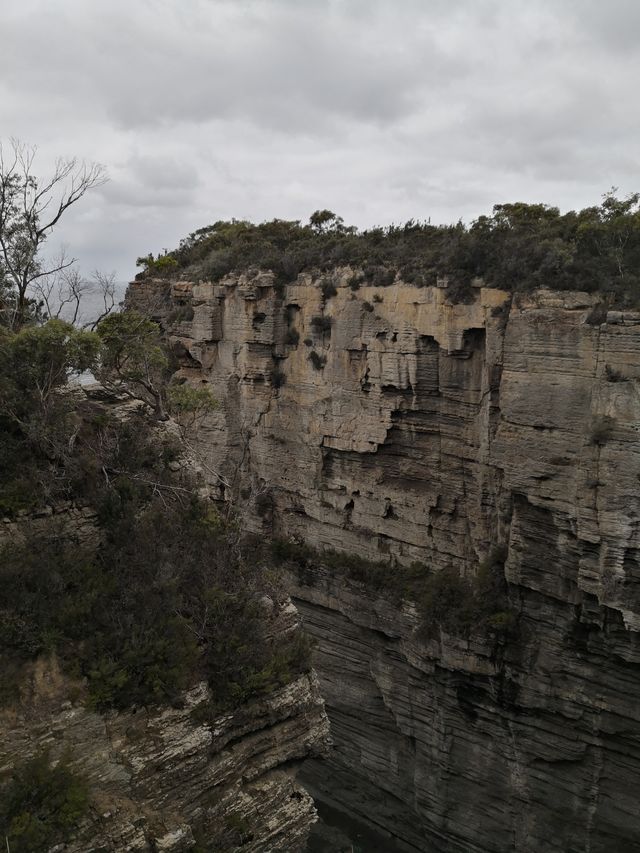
(134, 361)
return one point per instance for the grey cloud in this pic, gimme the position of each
(382, 110)
(287, 67)
(152, 180)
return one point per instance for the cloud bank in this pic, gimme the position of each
(379, 110)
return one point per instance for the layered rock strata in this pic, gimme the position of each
(160, 780)
(390, 423)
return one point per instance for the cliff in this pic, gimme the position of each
(387, 422)
(158, 776)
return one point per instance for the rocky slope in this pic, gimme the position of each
(165, 778)
(387, 422)
(156, 777)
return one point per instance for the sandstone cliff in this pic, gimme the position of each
(387, 422)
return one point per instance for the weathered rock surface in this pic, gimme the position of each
(434, 432)
(156, 776)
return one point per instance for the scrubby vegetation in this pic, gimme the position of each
(328, 289)
(278, 378)
(164, 601)
(321, 323)
(292, 336)
(318, 361)
(602, 428)
(518, 247)
(41, 806)
(445, 600)
(159, 592)
(460, 606)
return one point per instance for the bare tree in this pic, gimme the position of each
(29, 210)
(60, 295)
(106, 285)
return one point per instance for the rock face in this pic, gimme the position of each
(156, 777)
(386, 422)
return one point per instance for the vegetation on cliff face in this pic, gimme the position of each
(41, 806)
(519, 247)
(444, 600)
(159, 592)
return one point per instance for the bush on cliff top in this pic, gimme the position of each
(518, 247)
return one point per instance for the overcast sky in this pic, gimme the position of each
(381, 110)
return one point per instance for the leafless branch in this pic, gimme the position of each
(29, 210)
(106, 286)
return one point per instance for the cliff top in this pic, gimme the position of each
(518, 247)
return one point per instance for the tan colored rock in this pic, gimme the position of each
(434, 432)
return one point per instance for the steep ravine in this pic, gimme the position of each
(424, 431)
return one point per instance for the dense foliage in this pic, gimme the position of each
(157, 592)
(134, 360)
(37, 409)
(166, 600)
(519, 247)
(41, 806)
(444, 600)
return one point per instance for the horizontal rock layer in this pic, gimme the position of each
(156, 777)
(389, 423)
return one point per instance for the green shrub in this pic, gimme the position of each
(597, 315)
(602, 428)
(367, 306)
(162, 265)
(328, 288)
(447, 602)
(382, 277)
(263, 503)
(321, 323)
(41, 806)
(180, 314)
(278, 378)
(184, 399)
(318, 361)
(292, 336)
(443, 599)
(461, 606)
(614, 375)
(37, 414)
